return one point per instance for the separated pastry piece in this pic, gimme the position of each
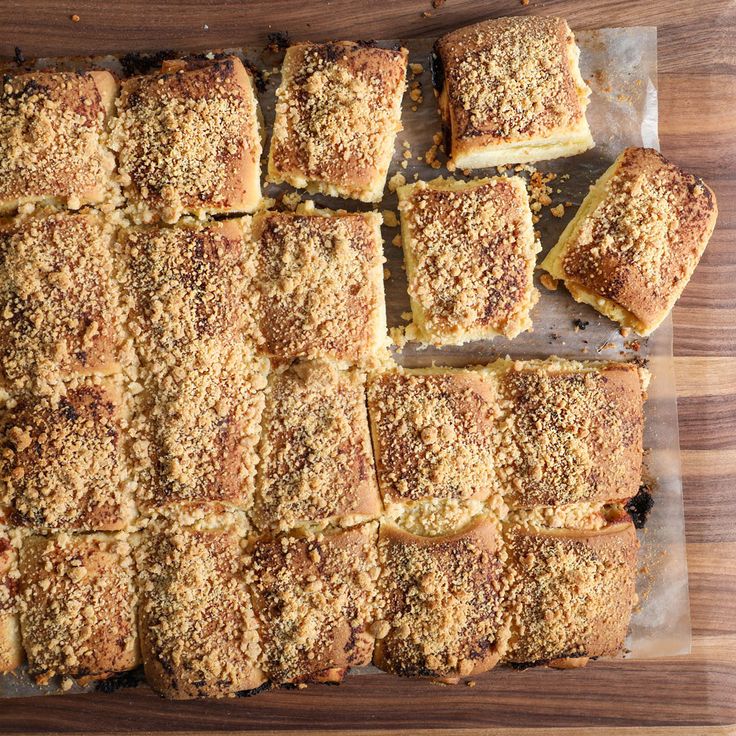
(199, 636)
(433, 433)
(77, 606)
(320, 283)
(314, 597)
(11, 651)
(188, 140)
(53, 127)
(63, 463)
(315, 458)
(570, 594)
(469, 249)
(511, 92)
(338, 110)
(203, 419)
(571, 432)
(440, 604)
(636, 239)
(58, 302)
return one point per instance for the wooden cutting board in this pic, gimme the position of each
(690, 695)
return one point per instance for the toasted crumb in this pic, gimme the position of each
(548, 282)
(396, 181)
(389, 218)
(416, 69)
(558, 211)
(472, 683)
(75, 18)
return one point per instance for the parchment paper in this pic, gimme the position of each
(620, 66)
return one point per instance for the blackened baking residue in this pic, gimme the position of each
(640, 506)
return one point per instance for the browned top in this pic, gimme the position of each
(315, 458)
(77, 606)
(187, 140)
(571, 592)
(320, 282)
(570, 434)
(641, 244)
(314, 598)
(510, 79)
(433, 434)
(51, 130)
(58, 304)
(439, 605)
(472, 251)
(198, 632)
(337, 114)
(62, 464)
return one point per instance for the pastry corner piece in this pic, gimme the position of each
(53, 141)
(511, 92)
(199, 636)
(571, 593)
(439, 602)
(634, 243)
(469, 249)
(188, 140)
(320, 284)
(11, 651)
(338, 110)
(314, 596)
(78, 606)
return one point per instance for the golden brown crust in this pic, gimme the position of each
(320, 283)
(315, 458)
(11, 652)
(640, 245)
(198, 633)
(187, 140)
(434, 434)
(77, 606)
(314, 598)
(439, 604)
(511, 81)
(571, 433)
(63, 464)
(59, 309)
(52, 135)
(338, 111)
(570, 592)
(470, 254)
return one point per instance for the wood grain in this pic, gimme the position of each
(692, 695)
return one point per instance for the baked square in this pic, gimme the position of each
(315, 457)
(636, 239)
(511, 92)
(320, 284)
(314, 597)
(572, 432)
(439, 602)
(63, 462)
(199, 636)
(338, 110)
(11, 651)
(469, 250)
(58, 302)
(188, 140)
(571, 593)
(53, 130)
(77, 608)
(434, 434)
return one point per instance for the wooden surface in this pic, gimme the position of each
(688, 695)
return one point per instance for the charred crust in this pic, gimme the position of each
(121, 681)
(136, 63)
(640, 506)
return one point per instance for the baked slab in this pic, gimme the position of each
(636, 239)
(11, 651)
(314, 597)
(469, 249)
(315, 458)
(198, 632)
(58, 302)
(338, 110)
(77, 606)
(53, 130)
(439, 604)
(512, 92)
(188, 140)
(320, 283)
